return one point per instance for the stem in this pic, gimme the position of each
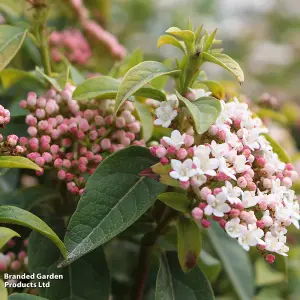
(44, 49)
(147, 246)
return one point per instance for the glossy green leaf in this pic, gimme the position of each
(173, 284)
(282, 155)
(115, 197)
(273, 115)
(152, 93)
(5, 235)
(189, 243)
(209, 265)
(3, 291)
(235, 261)
(18, 216)
(225, 62)
(11, 39)
(216, 88)
(170, 40)
(50, 80)
(178, 201)
(102, 87)
(146, 120)
(139, 76)
(187, 36)
(11, 76)
(18, 162)
(18, 296)
(86, 279)
(210, 40)
(204, 111)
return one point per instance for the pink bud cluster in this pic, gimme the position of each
(72, 44)
(4, 116)
(74, 137)
(236, 179)
(14, 263)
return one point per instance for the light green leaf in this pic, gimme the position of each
(63, 78)
(167, 180)
(146, 120)
(51, 80)
(152, 93)
(93, 284)
(273, 115)
(204, 111)
(18, 216)
(3, 291)
(209, 265)
(76, 76)
(178, 201)
(18, 296)
(161, 169)
(282, 155)
(11, 39)
(173, 284)
(215, 87)
(102, 87)
(198, 34)
(226, 62)
(187, 36)
(18, 162)
(138, 76)
(189, 243)
(5, 235)
(235, 261)
(11, 76)
(170, 40)
(210, 40)
(115, 197)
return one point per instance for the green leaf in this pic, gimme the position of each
(173, 284)
(18, 296)
(209, 41)
(204, 112)
(146, 120)
(189, 243)
(18, 216)
(115, 197)
(93, 284)
(102, 87)
(138, 76)
(51, 80)
(282, 155)
(152, 93)
(215, 87)
(187, 36)
(76, 76)
(11, 39)
(3, 291)
(62, 79)
(170, 40)
(18, 162)
(178, 201)
(11, 76)
(209, 265)
(5, 235)
(273, 115)
(225, 62)
(235, 261)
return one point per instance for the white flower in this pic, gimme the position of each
(276, 243)
(223, 168)
(199, 93)
(233, 193)
(219, 150)
(204, 164)
(249, 199)
(250, 138)
(240, 164)
(176, 140)
(252, 237)
(166, 112)
(182, 170)
(217, 205)
(234, 229)
(199, 179)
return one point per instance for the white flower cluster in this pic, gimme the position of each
(237, 179)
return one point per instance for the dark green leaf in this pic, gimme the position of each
(209, 265)
(15, 215)
(235, 261)
(115, 197)
(138, 76)
(226, 62)
(86, 279)
(149, 92)
(146, 120)
(189, 243)
(18, 162)
(11, 39)
(18, 296)
(178, 201)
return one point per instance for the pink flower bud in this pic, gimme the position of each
(222, 223)
(164, 161)
(205, 192)
(197, 213)
(12, 140)
(134, 127)
(171, 150)
(89, 155)
(184, 184)
(98, 158)
(270, 258)
(205, 223)
(251, 186)
(99, 120)
(287, 182)
(66, 163)
(213, 130)
(15, 265)
(31, 99)
(58, 163)
(67, 142)
(22, 255)
(61, 174)
(31, 120)
(188, 140)
(47, 157)
(40, 161)
(234, 213)
(108, 120)
(120, 122)
(105, 144)
(262, 205)
(181, 153)
(260, 161)
(69, 176)
(23, 104)
(242, 182)
(102, 131)
(260, 224)
(160, 151)
(125, 141)
(40, 113)
(267, 220)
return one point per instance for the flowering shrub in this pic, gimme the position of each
(121, 169)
